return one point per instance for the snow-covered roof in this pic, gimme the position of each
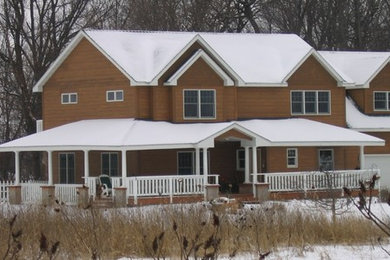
(131, 134)
(250, 59)
(362, 122)
(360, 67)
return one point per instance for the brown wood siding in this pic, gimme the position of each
(79, 166)
(379, 149)
(344, 158)
(380, 83)
(87, 72)
(274, 102)
(357, 95)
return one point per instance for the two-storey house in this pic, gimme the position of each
(201, 108)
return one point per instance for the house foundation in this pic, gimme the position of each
(48, 195)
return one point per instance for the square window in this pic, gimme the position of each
(69, 98)
(199, 104)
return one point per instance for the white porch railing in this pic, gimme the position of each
(67, 193)
(4, 190)
(31, 192)
(306, 181)
(167, 185)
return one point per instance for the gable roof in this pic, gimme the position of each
(249, 59)
(360, 67)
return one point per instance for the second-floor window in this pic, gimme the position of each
(382, 100)
(199, 104)
(69, 98)
(310, 102)
(114, 95)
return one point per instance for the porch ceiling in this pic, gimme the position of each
(131, 134)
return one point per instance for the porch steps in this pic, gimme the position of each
(103, 203)
(241, 198)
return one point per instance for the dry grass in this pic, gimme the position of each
(186, 230)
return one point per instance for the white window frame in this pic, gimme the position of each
(238, 168)
(69, 95)
(295, 165)
(387, 101)
(319, 157)
(199, 117)
(317, 103)
(115, 95)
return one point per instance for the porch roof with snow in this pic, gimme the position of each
(131, 134)
(365, 123)
(249, 59)
(359, 67)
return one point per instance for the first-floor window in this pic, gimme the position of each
(110, 164)
(186, 162)
(67, 168)
(199, 104)
(325, 158)
(114, 95)
(69, 98)
(382, 100)
(292, 157)
(240, 159)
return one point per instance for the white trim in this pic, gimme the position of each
(70, 102)
(341, 82)
(295, 165)
(373, 75)
(172, 81)
(115, 98)
(316, 102)
(200, 105)
(204, 44)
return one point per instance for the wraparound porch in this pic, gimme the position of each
(175, 186)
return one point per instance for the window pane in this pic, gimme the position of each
(185, 163)
(323, 102)
(113, 164)
(291, 153)
(380, 100)
(191, 110)
(296, 102)
(119, 95)
(106, 163)
(63, 168)
(310, 102)
(326, 160)
(291, 161)
(70, 166)
(65, 98)
(110, 95)
(207, 103)
(191, 103)
(73, 98)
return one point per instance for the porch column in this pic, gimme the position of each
(361, 158)
(247, 176)
(86, 165)
(17, 168)
(50, 168)
(254, 163)
(197, 161)
(124, 166)
(205, 165)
